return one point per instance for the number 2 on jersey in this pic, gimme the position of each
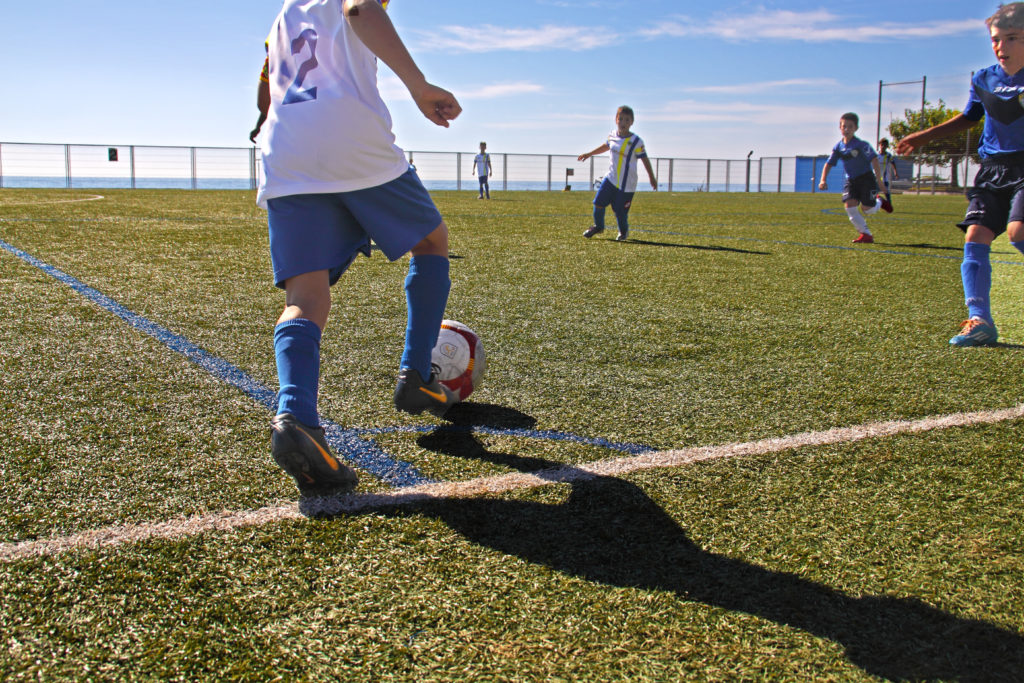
(296, 93)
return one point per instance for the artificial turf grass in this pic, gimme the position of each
(761, 352)
(707, 572)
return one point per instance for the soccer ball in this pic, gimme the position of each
(458, 358)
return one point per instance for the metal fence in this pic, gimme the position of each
(199, 168)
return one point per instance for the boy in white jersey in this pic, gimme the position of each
(888, 163)
(619, 186)
(333, 179)
(482, 166)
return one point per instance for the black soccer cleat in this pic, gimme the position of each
(413, 395)
(303, 453)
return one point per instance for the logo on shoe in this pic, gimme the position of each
(442, 397)
(328, 458)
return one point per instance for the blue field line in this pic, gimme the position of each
(363, 453)
(813, 245)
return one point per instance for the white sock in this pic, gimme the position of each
(875, 208)
(858, 221)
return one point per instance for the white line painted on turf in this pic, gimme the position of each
(90, 198)
(114, 536)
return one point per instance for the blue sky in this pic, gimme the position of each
(707, 79)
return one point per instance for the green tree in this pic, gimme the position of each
(949, 151)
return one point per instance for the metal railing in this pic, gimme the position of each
(199, 168)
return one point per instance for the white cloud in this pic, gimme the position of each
(488, 38)
(765, 86)
(816, 26)
(393, 90)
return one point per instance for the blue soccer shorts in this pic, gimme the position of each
(311, 232)
(997, 197)
(863, 188)
(609, 194)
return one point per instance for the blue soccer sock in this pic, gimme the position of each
(426, 295)
(1019, 246)
(599, 217)
(297, 348)
(976, 271)
(622, 218)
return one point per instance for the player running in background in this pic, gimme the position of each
(888, 163)
(997, 197)
(333, 179)
(619, 185)
(863, 176)
(482, 166)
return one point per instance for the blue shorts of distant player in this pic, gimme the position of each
(310, 232)
(609, 194)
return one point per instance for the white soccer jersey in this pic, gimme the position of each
(481, 161)
(328, 130)
(624, 154)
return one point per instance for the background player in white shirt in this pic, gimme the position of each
(333, 179)
(619, 185)
(482, 166)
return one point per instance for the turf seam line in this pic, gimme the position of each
(171, 530)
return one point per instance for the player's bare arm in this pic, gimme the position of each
(600, 150)
(824, 174)
(650, 173)
(916, 141)
(373, 26)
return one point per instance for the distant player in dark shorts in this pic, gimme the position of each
(863, 177)
(997, 198)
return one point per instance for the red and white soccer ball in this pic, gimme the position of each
(458, 358)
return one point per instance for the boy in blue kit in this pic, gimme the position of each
(482, 166)
(997, 198)
(863, 176)
(619, 186)
(333, 179)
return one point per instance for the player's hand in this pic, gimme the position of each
(822, 185)
(908, 144)
(654, 185)
(583, 157)
(437, 104)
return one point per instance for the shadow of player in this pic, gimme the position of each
(609, 531)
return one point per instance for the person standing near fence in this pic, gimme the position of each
(333, 179)
(863, 176)
(997, 197)
(482, 166)
(619, 186)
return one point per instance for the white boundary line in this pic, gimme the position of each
(114, 536)
(90, 198)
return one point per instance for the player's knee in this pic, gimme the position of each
(434, 243)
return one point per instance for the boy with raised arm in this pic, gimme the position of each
(997, 198)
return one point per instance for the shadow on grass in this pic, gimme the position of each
(699, 247)
(609, 531)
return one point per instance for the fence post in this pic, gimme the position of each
(67, 166)
(550, 159)
(458, 171)
(252, 168)
(671, 172)
(504, 172)
(591, 174)
(1, 166)
(192, 156)
(707, 177)
(131, 163)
